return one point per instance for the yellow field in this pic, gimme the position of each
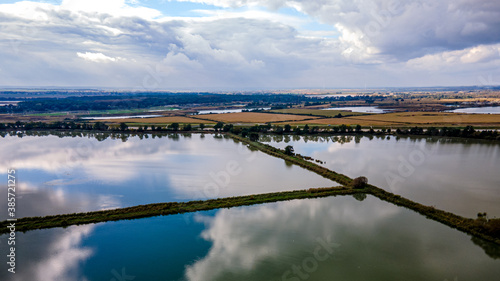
(326, 113)
(254, 117)
(434, 118)
(157, 120)
(340, 121)
(414, 118)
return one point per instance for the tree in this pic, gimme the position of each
(289, 150)
(174, 126)
(343, 128)
(218, 126)
(306, 129)
(253, 136)
(278, 130)
(468, 131)
(202, 126)
(288, 128)
(123, 126)
(359, 182)
(187, 127)
(358, 129)
(100, 126)
(244, 132)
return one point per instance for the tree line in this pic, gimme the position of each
(254, 131)
(127, 101)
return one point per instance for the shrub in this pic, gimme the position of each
(359, 182)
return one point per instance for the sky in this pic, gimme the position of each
(249, 44)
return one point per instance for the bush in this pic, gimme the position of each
(359, 182)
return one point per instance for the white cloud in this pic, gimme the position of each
(97, 57)
(241, 242)
(112, 7)
(482, 54)
(256, 45)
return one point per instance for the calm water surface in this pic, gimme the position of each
(219, 111)
(364, 109)
(76, 174)
(480, 110)
(460, 176)
(335, 238)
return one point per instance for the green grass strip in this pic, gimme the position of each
(157, 209)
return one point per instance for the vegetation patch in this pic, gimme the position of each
(319, 112)
(150, 210)
(158, 120)
(255, 117)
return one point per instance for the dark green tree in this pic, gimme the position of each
(219, 126)
(289, 150)
(123, 126)
(306, 129)
(253, 136)
(278, 130)
(174, 126)
(187, 127)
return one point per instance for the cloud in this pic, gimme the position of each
(398, 28)
(482, 54)
(238, 44)
(97, 57)
(55, 256)
(117, 8)
(242, 243)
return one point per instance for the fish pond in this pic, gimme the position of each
(351, 237)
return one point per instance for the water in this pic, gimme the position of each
(219, 111)
(121, 117)
(78, 174)
(478, 110)
(330, 96)
(456, 175)
(335, 238)
(364, 109)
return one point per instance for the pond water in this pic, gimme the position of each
(478, 110)
(456, 175)
(219, 111)
(81, 173)
(121, 117)
(335, 238)
(364, 109)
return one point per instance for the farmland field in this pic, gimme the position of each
(158, 120)
(255, 117)
(414, 118)
(434, 118)
(318, 112)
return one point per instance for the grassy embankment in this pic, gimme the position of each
(150, 210)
